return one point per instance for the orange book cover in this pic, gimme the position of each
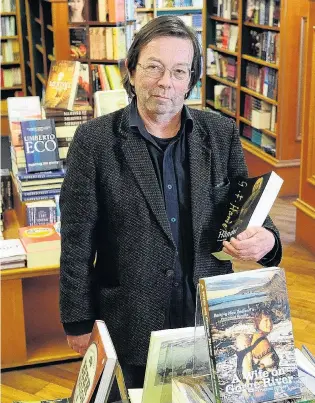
(39, 237)
(62, 84)
(116, 10)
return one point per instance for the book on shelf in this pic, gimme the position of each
(40, 145)
(83, 92)
(12, 254)
(6, 189)
(114, 76)
(42, 245)
(20, 109)
(109, 101)
(78, 42)
(62, 84)
(247, 319)
(41, 212)
(116, 10)
(248, 203)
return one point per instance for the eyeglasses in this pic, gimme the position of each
(157, 71)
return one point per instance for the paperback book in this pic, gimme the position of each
(248, 204)
(62, 84)
(248, 324)
(40, 145)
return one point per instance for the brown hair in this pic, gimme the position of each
(165, 25)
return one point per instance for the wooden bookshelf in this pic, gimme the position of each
(288, 66)
(305, 204)
(30, 335)
(10, 91)
(46, 29)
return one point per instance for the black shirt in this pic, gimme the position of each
(170, 161)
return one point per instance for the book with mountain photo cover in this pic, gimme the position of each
(248, 324)
(248, 204)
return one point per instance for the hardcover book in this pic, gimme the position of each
(248, 204)
(62, 84)
(98, 369)
(20, 109)
(248, 324)
(173, 352)
(40, 145)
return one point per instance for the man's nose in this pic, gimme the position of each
(166, 79)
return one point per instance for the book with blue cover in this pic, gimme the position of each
(40, 145)
(249, 329)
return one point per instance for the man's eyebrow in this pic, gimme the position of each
(154, 59)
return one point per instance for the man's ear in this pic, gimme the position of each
(128, 72)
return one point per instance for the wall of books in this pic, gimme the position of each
(248, 77)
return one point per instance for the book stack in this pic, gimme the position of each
(42, 245)
(226, 36)
(12, 254)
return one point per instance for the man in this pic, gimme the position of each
(143, 190)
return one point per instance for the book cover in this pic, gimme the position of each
(62, 84)
(98, 369)
(77, 10)
(40, 145)
(83, 91)
(78, 42)
(20, 109)
(247, 318)
(173, 352)
(39, 238)
(41, 212)
(109, 101)
(248, 203)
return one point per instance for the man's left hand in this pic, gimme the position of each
(252, 244)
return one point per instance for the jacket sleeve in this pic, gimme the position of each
(237, 166)
(79, 212)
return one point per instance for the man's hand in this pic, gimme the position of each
(79, 343)
(252, 244)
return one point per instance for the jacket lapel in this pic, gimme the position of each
(138, 158)
(200, 178)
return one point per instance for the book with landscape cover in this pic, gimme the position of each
(40, 145)
(62, 84)
(20, 109)
(247, 319)
(248, 204)
(173, 352)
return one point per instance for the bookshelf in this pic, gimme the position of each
(193, 14)
(305, 204)
(31, 332)
(12, 58)
(261, 71)
(45, 40)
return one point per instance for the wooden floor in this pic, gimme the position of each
(53, 381)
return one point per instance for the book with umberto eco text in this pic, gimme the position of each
(248, 204)
(248, 324)
(40, 145)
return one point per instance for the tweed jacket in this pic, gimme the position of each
(112, 207)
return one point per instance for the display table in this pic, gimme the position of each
(31, 332)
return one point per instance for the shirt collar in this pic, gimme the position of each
(137, 126)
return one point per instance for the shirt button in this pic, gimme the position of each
(169, 273)
(176, 284)
(169, 187)
(173, 219)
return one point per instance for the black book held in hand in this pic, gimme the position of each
(249, 202)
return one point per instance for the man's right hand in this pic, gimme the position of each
(79, 343)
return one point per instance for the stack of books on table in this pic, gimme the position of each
(12, 254)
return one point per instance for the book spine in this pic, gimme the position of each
(44, 192)
(206, 321)
(46, 175)
(74, 86)
(36, 198)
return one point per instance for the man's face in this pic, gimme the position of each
(163, 95)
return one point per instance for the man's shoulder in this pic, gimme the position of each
(105, 126)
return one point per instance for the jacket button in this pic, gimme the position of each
(169, 273)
